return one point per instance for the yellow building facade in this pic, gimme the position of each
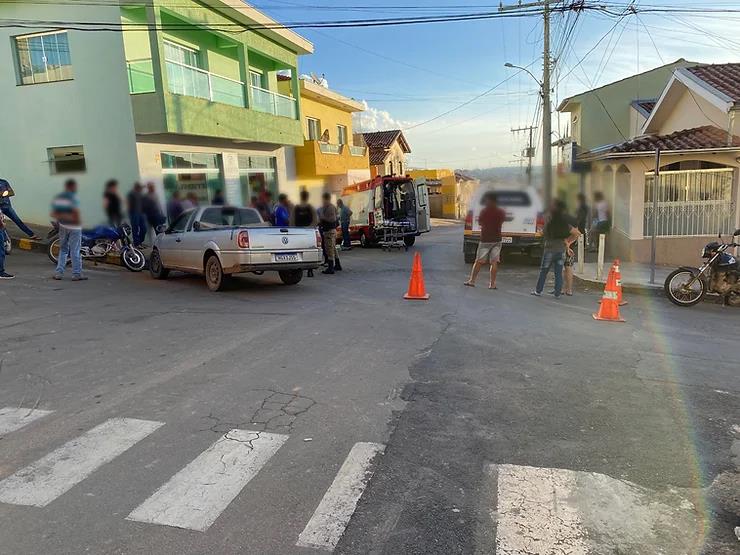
(441, 183)
(328, 159)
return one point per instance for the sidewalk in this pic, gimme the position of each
(635, 276)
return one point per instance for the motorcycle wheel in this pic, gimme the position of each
(677, 292)
(133, 259)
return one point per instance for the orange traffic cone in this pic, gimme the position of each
(609, 307)
(610, 277)
(417, 291)
(618, 279)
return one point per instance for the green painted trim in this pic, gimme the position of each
(195, 116)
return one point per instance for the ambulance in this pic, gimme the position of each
(398, 202)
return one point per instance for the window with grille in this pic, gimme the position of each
(43, 58)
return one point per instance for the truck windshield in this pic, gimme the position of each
(227, 216)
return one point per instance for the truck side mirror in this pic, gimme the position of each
(196, 226)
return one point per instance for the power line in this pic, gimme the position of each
(462, 105)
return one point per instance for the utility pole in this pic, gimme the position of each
(546, 108)
(545, 92)
(529, 151)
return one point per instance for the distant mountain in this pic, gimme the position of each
(505, 174)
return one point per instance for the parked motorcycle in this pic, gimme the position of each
(719, 274)
(100, 241)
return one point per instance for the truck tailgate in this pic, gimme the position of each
(286, 239)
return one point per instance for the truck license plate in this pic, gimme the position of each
(288, 257)
(507, 239)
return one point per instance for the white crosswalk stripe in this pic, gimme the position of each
(195, 497)
(43, 481)
(14, 418)
(330, 518)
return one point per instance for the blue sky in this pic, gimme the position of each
(410, 74)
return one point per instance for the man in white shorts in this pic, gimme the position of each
(491, 219)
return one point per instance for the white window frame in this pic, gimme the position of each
(342, 134)
(309, 120)
(254, 72)
(46, 70)
(189, 49)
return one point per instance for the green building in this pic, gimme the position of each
(180, 93)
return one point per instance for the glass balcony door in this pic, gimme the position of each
(273, 103)
(185, 77)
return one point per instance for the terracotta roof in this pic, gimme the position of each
(281, 77)
(377, 156)
(698, 138)
(379, 142)
(644, 106)
(382, 139)
(723, 77)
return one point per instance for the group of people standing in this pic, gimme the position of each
(142, 205)
(325, 219)
(560, 233)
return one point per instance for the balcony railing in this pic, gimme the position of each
(357, 150)
(140, 76)
(190, 81)
(327, 148)
(273, 103)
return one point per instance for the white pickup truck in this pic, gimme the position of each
(218, 241)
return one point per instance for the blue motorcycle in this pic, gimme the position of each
(100, 241)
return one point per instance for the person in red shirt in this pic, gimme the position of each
(491, 219)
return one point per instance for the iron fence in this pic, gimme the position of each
(690, 203)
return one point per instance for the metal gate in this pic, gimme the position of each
(691, 202)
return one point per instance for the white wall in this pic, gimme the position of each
(691, 110)
(92, 110)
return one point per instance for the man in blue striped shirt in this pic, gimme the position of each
(65, 209)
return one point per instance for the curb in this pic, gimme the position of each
(25, 244)
(644, 290)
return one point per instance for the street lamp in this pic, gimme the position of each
(512, 66)
(546, 132)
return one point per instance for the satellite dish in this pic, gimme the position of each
(315, 79)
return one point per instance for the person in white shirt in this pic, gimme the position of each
(602, 218)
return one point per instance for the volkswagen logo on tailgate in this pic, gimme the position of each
(285, 240)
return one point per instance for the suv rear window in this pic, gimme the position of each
(513, 198)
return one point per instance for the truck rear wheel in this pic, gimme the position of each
(291, 277)
(215, 277)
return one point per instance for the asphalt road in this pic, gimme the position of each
(161, 418)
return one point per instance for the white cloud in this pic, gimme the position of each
(373, 119)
